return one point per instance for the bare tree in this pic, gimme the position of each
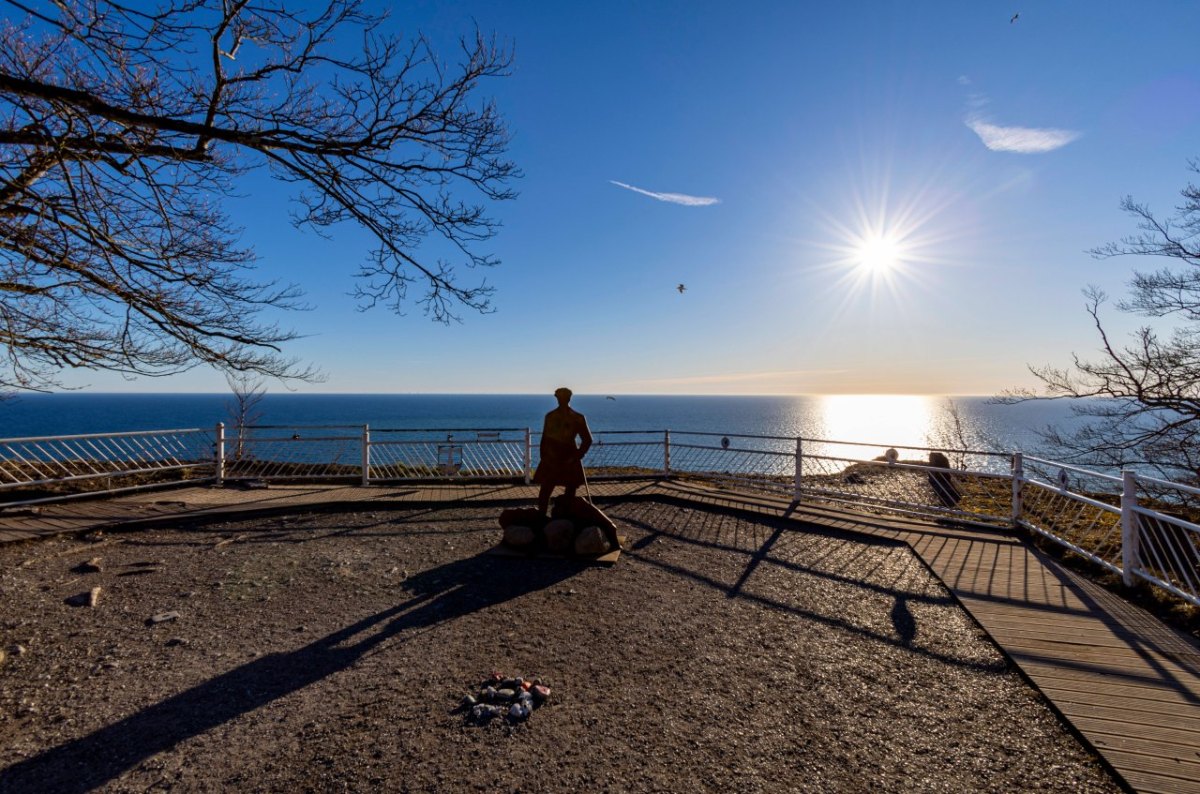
(950, 435)
(244, 409)
(123, 128)
(1143, 397)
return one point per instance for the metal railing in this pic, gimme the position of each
(1130, 525)
(288, 452)
(892, 480)
(50, 468)
(398, 454)
(1136, 526)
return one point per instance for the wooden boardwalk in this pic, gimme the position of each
(1128, 684)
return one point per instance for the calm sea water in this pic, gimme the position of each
(879, 420)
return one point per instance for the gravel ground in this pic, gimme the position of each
(326, 651)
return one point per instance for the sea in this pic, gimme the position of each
(881, 421)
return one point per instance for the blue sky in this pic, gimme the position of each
(989, 154)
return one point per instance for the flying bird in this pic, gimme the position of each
(682, 289)
(1014, 18)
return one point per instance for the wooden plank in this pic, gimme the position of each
(1114, 733)
(1171, 773)
(1185, 717)
(1156, 784)
(1098, 636)
(1085, 689)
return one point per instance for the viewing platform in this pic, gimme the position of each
(1125, 682)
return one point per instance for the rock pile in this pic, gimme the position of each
(510, 698)
(578, 528)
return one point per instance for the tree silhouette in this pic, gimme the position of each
(122, 129)
(1150, 416)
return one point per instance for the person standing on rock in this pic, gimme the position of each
(561, 460)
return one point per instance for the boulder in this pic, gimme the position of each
(560, 536)
(941, 481)
(587, 514)
(517, 535)
(524, 516)
(591, 542)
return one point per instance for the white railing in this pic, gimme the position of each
(893, 479)
(288, 452)
(50, 468)
(623, 453)
(398, 455)
(1132, 525)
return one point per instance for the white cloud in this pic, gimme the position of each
(1026, 140)
(674, 198)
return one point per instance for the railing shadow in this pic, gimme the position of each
(440, 594)
(1154, 642)
(837, 558)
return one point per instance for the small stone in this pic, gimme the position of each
(187, 593)
(484, 713)
(505, 695)
(540, 693)
(3, 658)
(162, 617)
(511, 683)
(518, 712)
(467, 703)
(18, 650)
(178, 642)
(94, 597)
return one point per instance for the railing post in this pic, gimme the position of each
(666, 453)
(1018, 479)
(366, 455)
(219, 453)
(528, 455)
(797, 478)
(1129, 524)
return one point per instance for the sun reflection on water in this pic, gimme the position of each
(879, 419)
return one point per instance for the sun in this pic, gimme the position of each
(878, 254)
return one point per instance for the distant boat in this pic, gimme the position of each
(610, 398)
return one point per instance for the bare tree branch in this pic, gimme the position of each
(1140, 403)
(123, 126)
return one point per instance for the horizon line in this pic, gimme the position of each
(83, 392)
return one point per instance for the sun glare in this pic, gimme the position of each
(878, 254)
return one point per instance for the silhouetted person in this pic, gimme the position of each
(562, 461)
(941, 483)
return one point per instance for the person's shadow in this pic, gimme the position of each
(440, 594)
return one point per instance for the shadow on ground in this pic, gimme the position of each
(440, 594)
